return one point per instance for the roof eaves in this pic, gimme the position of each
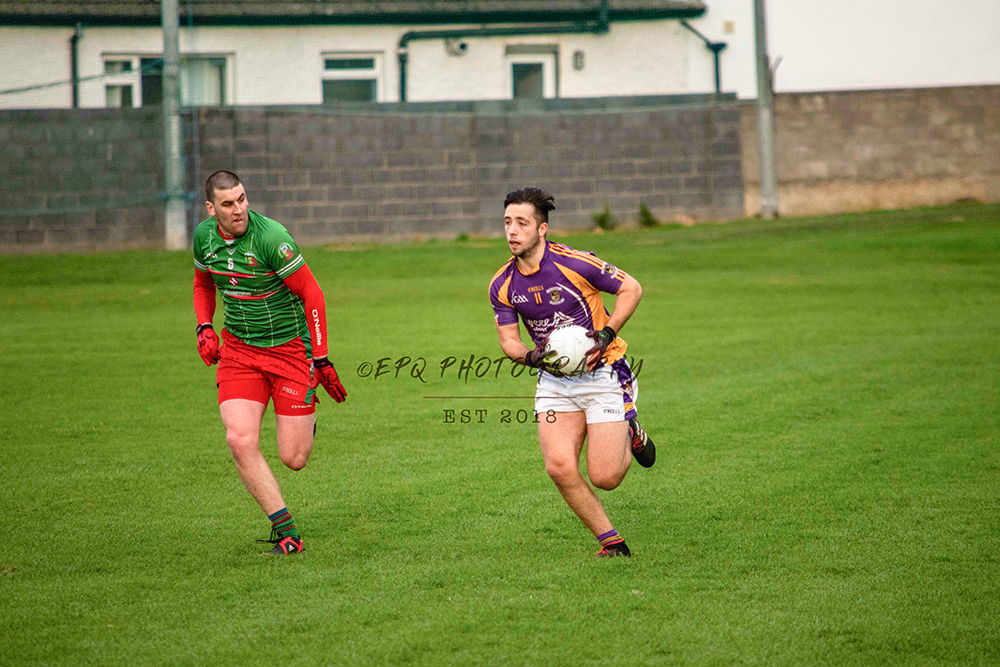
(409, 18)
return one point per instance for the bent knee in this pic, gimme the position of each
(606, 481)
(560, 470)
(241, 444)
(295, 461)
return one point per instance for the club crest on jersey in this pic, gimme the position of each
(251, 260)
(555, 296)
(234, 282)
(610, 270)
(285, 251)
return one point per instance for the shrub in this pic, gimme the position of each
(604, 220)
(646, 217)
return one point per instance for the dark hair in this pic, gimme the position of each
(540, 199)
(220, 180)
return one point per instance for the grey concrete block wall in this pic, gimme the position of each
(88, 178)
(398, 175)
(879, 149)
(93, 179)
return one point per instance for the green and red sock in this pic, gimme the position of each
(283, 524)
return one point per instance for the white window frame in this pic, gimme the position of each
(128, 79)
(134, 78)
(227, 96)
(376, 72)
(546, 60)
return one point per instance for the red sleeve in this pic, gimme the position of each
(204, 296)
(304, 285)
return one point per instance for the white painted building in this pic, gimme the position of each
(311, 53)
(821, 45)
(865, 44)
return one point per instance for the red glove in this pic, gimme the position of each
(324, 373)
(208, 344)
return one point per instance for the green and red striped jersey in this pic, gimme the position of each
(248, 272)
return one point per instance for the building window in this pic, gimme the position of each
(527, 79)
(351, 77)
(117, 66)
(138, 81)
(349, 64)
(120, 82)
(533, 71)
(151, 70)
(203, 82)
(118, 97)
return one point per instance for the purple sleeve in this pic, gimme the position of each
(602, 275)
(503, 309)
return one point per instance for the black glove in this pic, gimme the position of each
(603, 338)
(539, 358)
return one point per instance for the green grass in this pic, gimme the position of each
(823, 392)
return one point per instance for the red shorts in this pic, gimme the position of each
(282, 373)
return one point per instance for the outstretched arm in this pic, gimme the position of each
(303, 284)
(204, 310)
(626, 301)
(204, 296)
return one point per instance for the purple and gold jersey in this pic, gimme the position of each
(564, 290)
(249, 271)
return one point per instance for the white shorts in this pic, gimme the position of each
(606, 395)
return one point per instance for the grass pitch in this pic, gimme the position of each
(823, 393)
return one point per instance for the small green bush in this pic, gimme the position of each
(604, 220)
(646, 217)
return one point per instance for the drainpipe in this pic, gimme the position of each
(599, 27)
(603, 22)
(715, 47)
(74, 63)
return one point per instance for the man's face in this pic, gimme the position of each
(524, 232)
(230, 210)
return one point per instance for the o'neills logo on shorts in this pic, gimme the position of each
(291, 391)
(319, 334)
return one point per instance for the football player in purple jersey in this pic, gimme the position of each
(546, 285)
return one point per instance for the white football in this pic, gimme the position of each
(570, 344)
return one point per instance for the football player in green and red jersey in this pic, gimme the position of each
(274, 344)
